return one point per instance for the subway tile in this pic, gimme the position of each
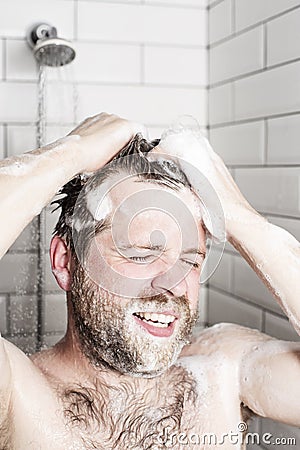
(224, 308)
(220, 266)
(220, 24)
(250, 13)
(291, 225)
(237, 56)
(247, 285)
(2, 67)
(27, 240)
(18, 102)
(143, 104)
(20, 139)
(284, 38)
(25, 343)
(170, 65)
(279, 430)
(271, 190)
(17, 17)
(23, 314)
(239, 144)
(3, 323)
(60, 103)
(198, 3)
(20, 61)
(203, 304)
(107, 63)
(271, 92)
(18, 273)
(2, 145)
(141, 23)
(283, 140)
(220, 104)
(280, 328)
(55, 313)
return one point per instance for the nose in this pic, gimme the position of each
(171, 281)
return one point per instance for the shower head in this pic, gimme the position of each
(48, 49)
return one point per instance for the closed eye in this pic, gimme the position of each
(141, 259)
(194, 264)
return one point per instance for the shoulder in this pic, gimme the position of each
(228, 339)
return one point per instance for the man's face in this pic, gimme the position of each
(136, 298)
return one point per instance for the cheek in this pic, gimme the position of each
(193, 288)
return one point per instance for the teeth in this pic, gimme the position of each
(162, 320)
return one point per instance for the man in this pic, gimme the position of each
(125, 376)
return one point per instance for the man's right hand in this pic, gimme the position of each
(99, 138)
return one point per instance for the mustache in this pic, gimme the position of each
(161, 300)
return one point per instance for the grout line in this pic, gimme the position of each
(266, 141)
(254, 72)
(251, 27)
(75, 24)
(247, 301)
(265, 46)
(253, 119)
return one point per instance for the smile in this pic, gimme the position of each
(157, 324)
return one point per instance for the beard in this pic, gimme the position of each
(109, 336)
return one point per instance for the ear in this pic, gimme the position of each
(60, 256)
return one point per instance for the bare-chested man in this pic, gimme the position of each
(125, 376)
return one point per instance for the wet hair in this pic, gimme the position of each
(131, 160)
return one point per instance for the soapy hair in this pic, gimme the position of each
(131, 160)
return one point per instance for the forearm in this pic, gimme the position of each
(274, 254)
(28, 183)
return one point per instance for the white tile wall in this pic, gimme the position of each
(284, 38)
(142, 103)
(284, 140)
(220, 21)
(3, 324)
(271, 92)
(2, 44)
(221, 104)
(271, 189)
(225, 308)
(99, 62)
(280, 328)
(198, 3)
(17, 16)
(136, 23)
(20, 62)
(224, 62)
(20, 138)
(239, 144)
(18, 274)
(167, 65)
(246, 284)
(13, 95)
(249, 13)
(24, 316)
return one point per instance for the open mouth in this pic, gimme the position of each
(157, 324)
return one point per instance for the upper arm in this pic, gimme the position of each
(270, 380)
